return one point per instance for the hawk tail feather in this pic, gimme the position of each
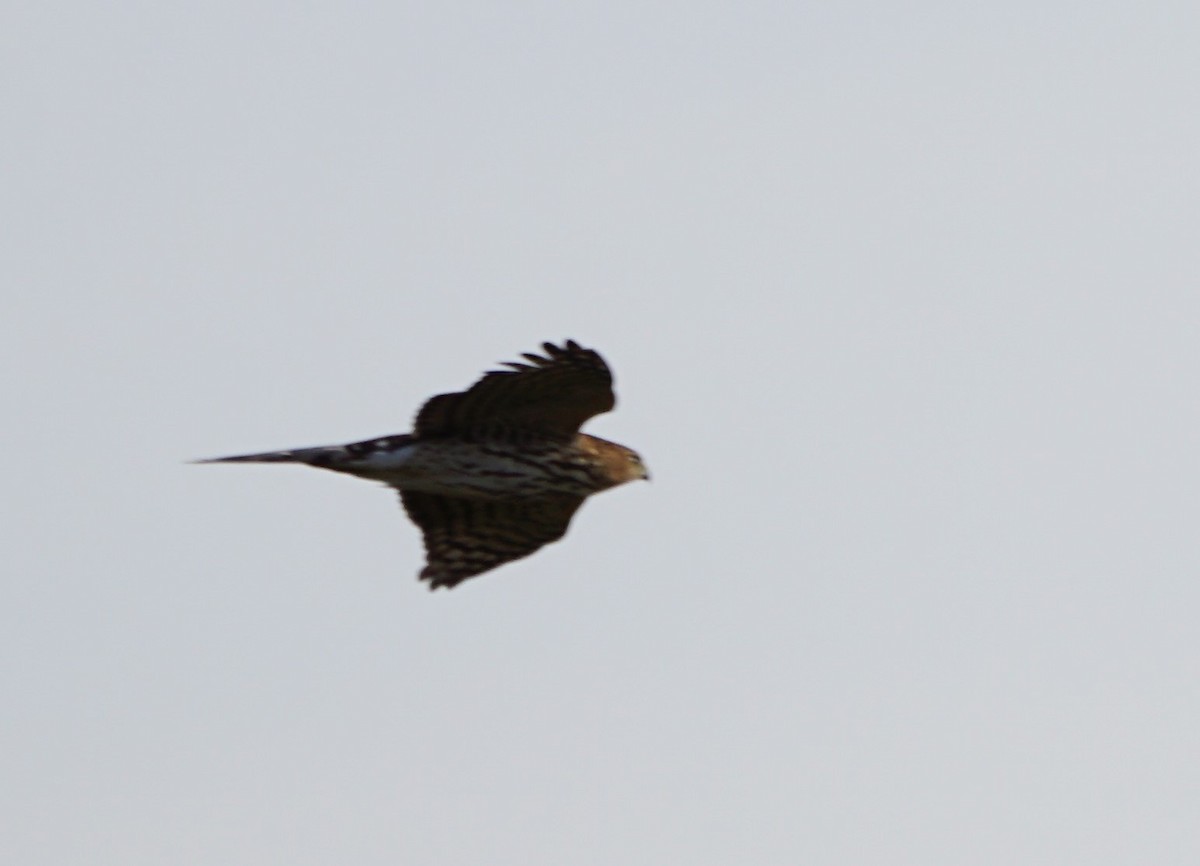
(325, 457)
(310, 456)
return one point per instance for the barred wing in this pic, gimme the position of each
(466, 537)
(550, 396)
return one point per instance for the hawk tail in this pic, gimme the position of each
(311, 456)
(336, 457)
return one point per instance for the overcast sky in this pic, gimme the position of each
(902, 304)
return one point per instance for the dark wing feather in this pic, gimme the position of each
(466, 537)
(549, 396)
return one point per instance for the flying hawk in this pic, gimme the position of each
(492, 473)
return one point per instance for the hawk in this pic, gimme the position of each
(495, 472)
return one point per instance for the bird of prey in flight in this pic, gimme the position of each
(492, 473)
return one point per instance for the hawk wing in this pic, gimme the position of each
(466, 537)
(551, 396)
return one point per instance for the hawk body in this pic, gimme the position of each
(493, 473)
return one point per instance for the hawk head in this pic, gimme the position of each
(634, 468)
(616, 463)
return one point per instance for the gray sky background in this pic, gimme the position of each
(902, 303)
